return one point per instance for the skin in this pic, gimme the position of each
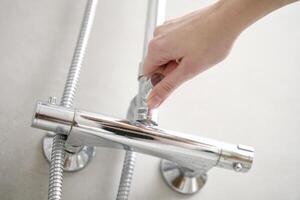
(184, 47)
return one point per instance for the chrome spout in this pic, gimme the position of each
(91, 129)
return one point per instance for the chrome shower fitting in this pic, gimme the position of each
(193, 156)
(75, 157)
(138, 110)
(61, 155)
(187, 158)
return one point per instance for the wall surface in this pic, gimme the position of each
(251, 98)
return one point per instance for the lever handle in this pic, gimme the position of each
(138, 109)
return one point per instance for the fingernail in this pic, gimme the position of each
(153, 102)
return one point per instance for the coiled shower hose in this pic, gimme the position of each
(126, 176)
(58, 152)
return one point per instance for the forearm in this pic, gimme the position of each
(239, 14)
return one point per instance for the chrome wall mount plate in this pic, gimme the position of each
(73, 161)
(181, 180)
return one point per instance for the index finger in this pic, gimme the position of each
(155, 58)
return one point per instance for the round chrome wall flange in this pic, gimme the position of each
(181, 179)
(73, 161)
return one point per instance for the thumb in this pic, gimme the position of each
(165, 87)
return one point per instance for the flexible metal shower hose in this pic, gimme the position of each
(126, 176)
(58, 152)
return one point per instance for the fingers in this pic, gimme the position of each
(157, 56)
(170, 67)
(173, 79)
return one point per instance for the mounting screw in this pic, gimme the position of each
(237, 166)
(52, 100)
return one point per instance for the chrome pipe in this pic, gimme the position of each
(155, 17)
(195, 153)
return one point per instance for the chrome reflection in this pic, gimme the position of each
(195, 153)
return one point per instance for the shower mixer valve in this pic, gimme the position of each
(186, 158)
(73, 134)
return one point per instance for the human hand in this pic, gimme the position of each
(184, 47)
